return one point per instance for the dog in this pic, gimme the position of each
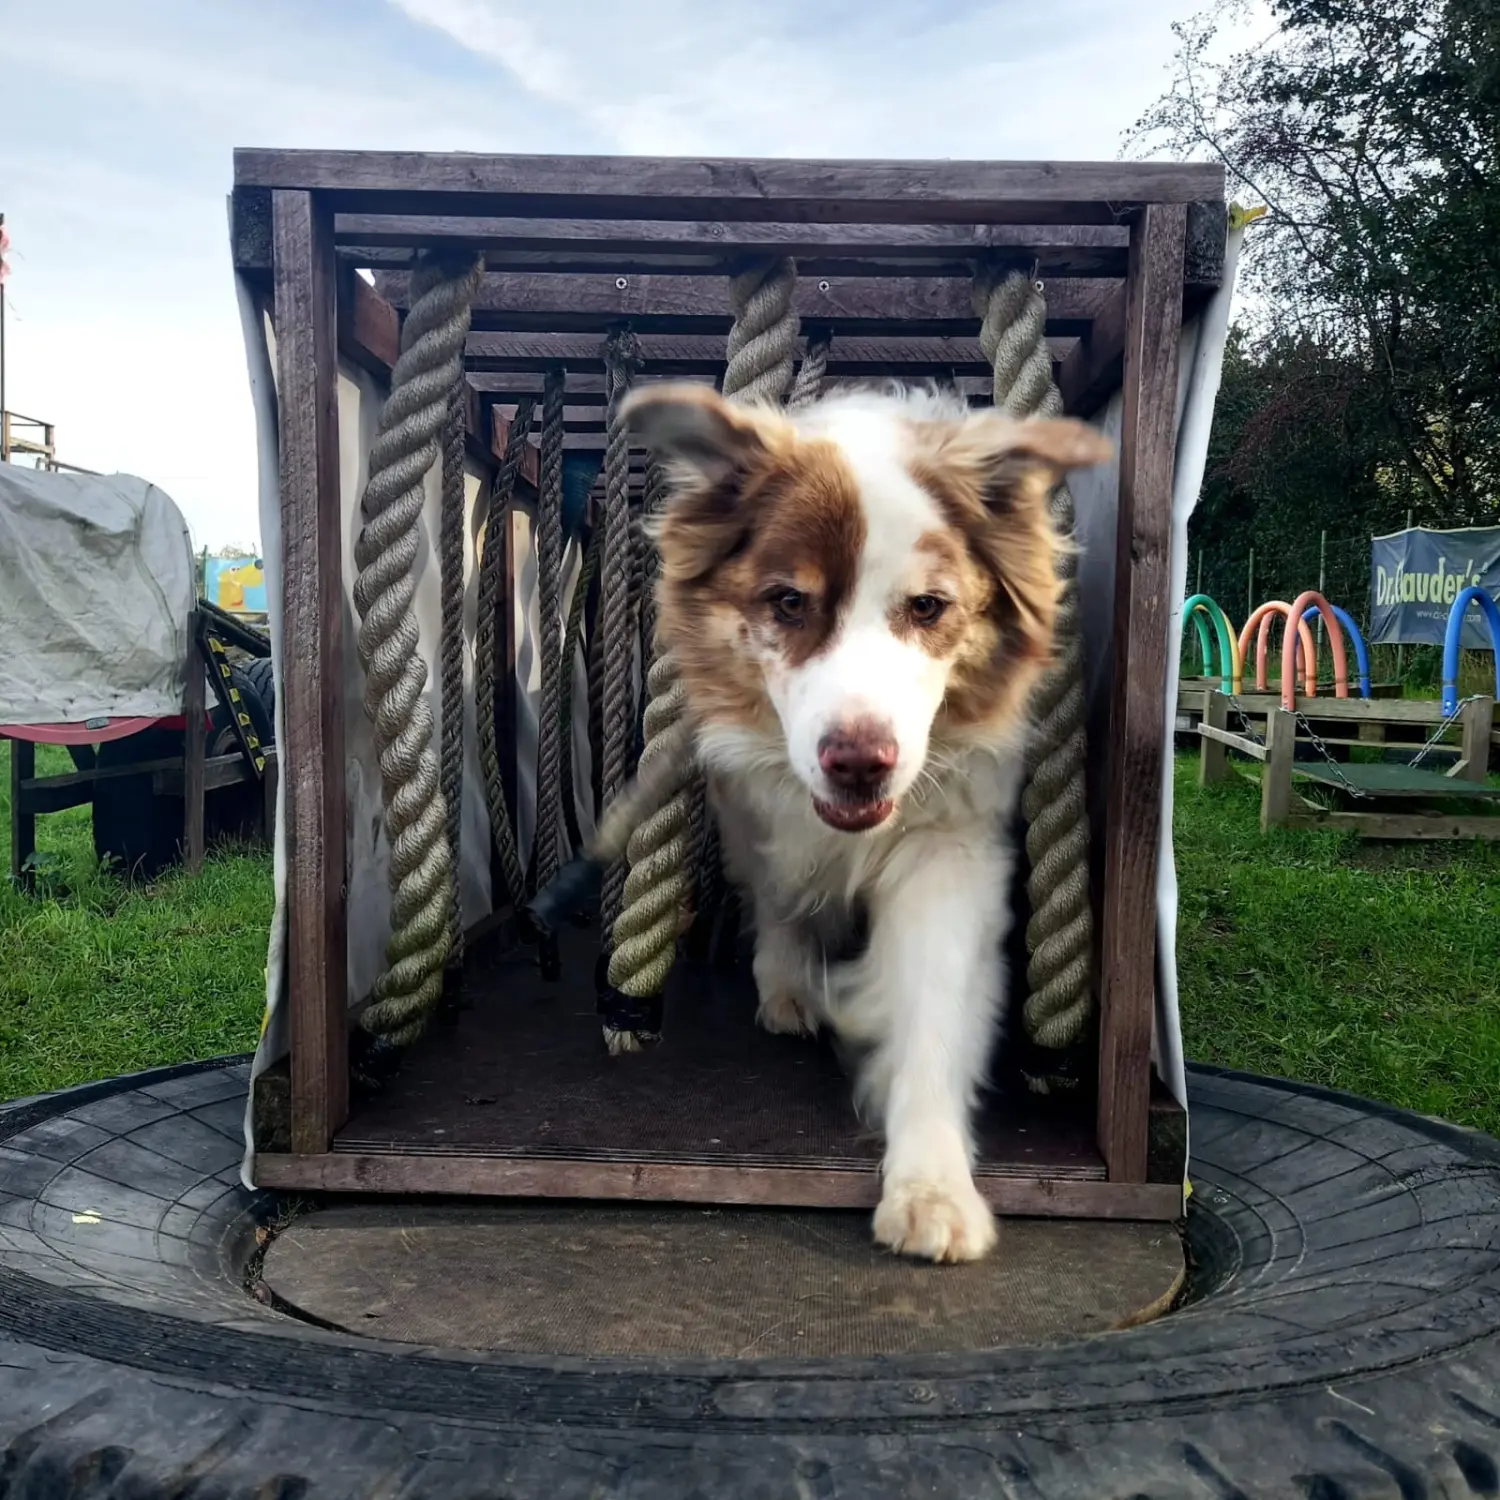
(860, 596)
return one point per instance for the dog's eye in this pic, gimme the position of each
(789, 606)
(927, 609)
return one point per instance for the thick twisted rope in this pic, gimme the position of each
(761, 348)
(492, 589)
(808, 385)
(1060, 934)
(571, 638)
(406, 446)
(547, 848)
(451, 656)
(763, 341)
(622, 358)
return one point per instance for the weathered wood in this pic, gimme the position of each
(194, 786)
(218, 772)
(1436, 825)
(855, 305)
(311, 731)
(669, 1182)
(1167, 1129)
(689, 354)
(1216, 738)
(1474, 746)
(1276, 779)
(1142, 589)
(369, 327)
(22, 818)
(250, 231)
(1056, 250)
(764, 190)
(1393, 711)
(1091, 372)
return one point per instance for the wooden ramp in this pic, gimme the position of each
(1383, 780)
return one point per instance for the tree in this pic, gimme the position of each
(1371, 128)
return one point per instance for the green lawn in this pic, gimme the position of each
(100, 978)
(1371, 969)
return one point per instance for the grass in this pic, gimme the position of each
(97, 977)
(1306, 955)
(1373, 968)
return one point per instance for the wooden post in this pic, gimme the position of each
(311, 733)
(1475, 723)
(22, 821)
(1148, 442)
(193, 749)
(1213, 759)
(1276, 777)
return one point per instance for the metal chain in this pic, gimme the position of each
(1327, 754)
(1443, 728)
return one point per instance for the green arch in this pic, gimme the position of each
(1195, 609)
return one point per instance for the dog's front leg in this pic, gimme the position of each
(931, 982)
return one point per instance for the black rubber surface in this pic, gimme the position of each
(1343, 1343)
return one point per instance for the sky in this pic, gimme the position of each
(119, 122)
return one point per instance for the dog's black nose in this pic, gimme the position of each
(858, 760)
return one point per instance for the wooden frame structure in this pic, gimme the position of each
(574, 246)
(1403, 804)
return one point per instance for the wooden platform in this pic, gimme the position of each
(632, 1280)
(518, 1097)
(1397, 781)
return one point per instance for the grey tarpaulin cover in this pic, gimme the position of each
(97, 588)
(360, 397)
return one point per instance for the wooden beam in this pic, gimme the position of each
(311, 731)
(703, 354)
(1138, 731)
(769, 191)
(540, 302)
(22, 818)
(587, 390)
(194, 785)
(663, 1182)
(1056, 250)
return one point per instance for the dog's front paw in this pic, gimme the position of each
(945, 1221)
(785, 1013)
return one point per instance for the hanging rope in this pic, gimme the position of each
(808, 385)
(406, 446)
(571, 638)
(1060, 934)
(493, 588)
(622, 358)
(451, 658)
(546, 858)
(761, 347)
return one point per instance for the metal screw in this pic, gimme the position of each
(621, 283)
(822, 286)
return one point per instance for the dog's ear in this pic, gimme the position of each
(1015, 464)
(703, 439)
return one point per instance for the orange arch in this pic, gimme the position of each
(1300, 605)
(1259, 625)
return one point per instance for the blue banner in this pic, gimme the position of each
(1416, 575)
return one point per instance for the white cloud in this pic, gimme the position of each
(123, 328)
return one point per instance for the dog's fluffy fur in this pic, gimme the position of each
(860, 597)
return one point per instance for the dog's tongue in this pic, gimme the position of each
(853, 817)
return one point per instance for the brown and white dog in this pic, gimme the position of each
(861, 596)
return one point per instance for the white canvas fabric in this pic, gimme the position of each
(97, 591)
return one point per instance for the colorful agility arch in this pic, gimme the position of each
(1259, 626)
(1351, 632)
(1474, 594)
(1231, 663)
(1298, 612)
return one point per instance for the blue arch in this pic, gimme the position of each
(1474, 594)
(1351, 631)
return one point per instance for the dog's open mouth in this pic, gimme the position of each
(854, 817)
